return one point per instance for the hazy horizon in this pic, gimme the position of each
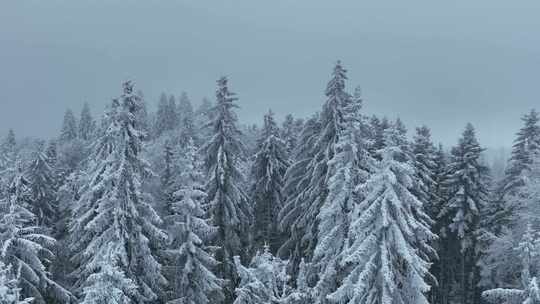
(437, 64)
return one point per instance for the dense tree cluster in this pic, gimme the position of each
(187, 205)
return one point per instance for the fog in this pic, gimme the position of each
(438, 63)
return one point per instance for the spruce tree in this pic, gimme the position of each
(26, 247)
(68, 193)
(377, 127)
(527, 252)
(143, 117)
(347, 168)
(114, 229)
(162, 116)
(167, 176)
(389, 235)
(526, 145)
(10, 293)
(265, 281)
(8, 151)
(288, 133)
(250, 137)
(86, 123)
(425, 163)
(302, 293)
(10, 142)
(501, 263)
(443, 267)
(529, 292)
(72, 155)
(69, 129)
(192, 278)
(268, 170)
(110, 285)
(186, 117)
(308, 179)
(467, 199)
(42, 183)
(503, 207)
(172, 114)
(230, 210)
(9, 145)
(72, 150)
(295, 181)
(203, 117)
(51, 152)
(204, 112)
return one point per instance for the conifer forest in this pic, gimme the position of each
(328, 194)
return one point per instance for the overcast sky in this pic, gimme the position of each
(442, 63)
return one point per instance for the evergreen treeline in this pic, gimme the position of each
(186, 205)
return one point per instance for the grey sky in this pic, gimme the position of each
(442, 63)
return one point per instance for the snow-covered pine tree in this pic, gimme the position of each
(72, 150)
(191, 276)
(143, 117)
(289, 134)
(69, 127)
(167, 176)
(43, 193)
(230, 210)
(501, 263)
(161, 122)
(348, 166)
(377, 127)
(26, 247)
(51, 157)
(401, 128)
(186, 117)
(109, 285)
(51, 152)
(302, 293)
(114, 229)
(506, 199)
(298, 126)
(388, 235)
(172, 113)
(203, 116)
(308, 179)
(8, 151)
(441, 268)
(467, 197)
(425, 157)
(295, 181)
(68, 193)
(526, 145)
(72, 155)
(250, 136)
(204, 112)
(268, 170)
(87, 124)
(10, 293)
(504, 207)
(9, 143)
(265, 281)
(526, 251)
